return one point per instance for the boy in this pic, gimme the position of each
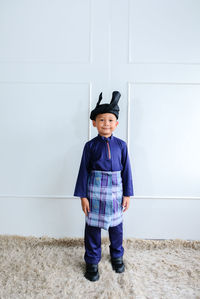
(104, 185)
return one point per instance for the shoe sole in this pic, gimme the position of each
(94, 278)
(119, 270)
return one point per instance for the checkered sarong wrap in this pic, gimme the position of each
(105, 197)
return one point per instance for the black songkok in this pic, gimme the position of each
(107, 108)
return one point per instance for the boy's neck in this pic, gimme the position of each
(106, 136)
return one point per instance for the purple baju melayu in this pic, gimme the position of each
(104, 178)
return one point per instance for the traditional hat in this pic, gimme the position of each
(107, 108)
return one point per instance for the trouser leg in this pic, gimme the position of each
(116, 240)
(92, 244)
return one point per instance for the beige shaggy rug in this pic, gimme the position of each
(53, 268)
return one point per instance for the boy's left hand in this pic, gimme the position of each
(125, 203)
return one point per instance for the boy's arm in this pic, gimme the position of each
(85, 205)
(125, 203)
(81, 183)
(126, 173)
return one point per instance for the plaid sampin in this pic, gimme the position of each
(105, 198)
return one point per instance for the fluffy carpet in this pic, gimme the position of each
(53, 268)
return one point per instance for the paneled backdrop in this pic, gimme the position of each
(55, 59)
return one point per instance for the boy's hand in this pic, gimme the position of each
(85, 205)
(125, 203)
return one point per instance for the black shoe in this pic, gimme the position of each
(118, 264)
(92, 272)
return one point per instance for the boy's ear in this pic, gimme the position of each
(94, 123)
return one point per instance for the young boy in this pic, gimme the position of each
(104, 185)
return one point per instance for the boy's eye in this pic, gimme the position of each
(111, 120)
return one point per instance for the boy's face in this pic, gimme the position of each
(105, 124)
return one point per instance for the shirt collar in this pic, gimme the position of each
(105, 138)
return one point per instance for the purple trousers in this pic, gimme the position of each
(93, 243)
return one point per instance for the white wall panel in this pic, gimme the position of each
(42, 128)
(164, 139)
(164, 31)
(40, 216)
(48, 31)
(160, 218)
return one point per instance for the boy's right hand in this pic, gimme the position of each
(85, 205)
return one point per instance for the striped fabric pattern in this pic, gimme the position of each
(105, 197)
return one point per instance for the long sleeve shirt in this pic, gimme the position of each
(105, 154)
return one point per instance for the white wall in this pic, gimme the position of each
(55, 59)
